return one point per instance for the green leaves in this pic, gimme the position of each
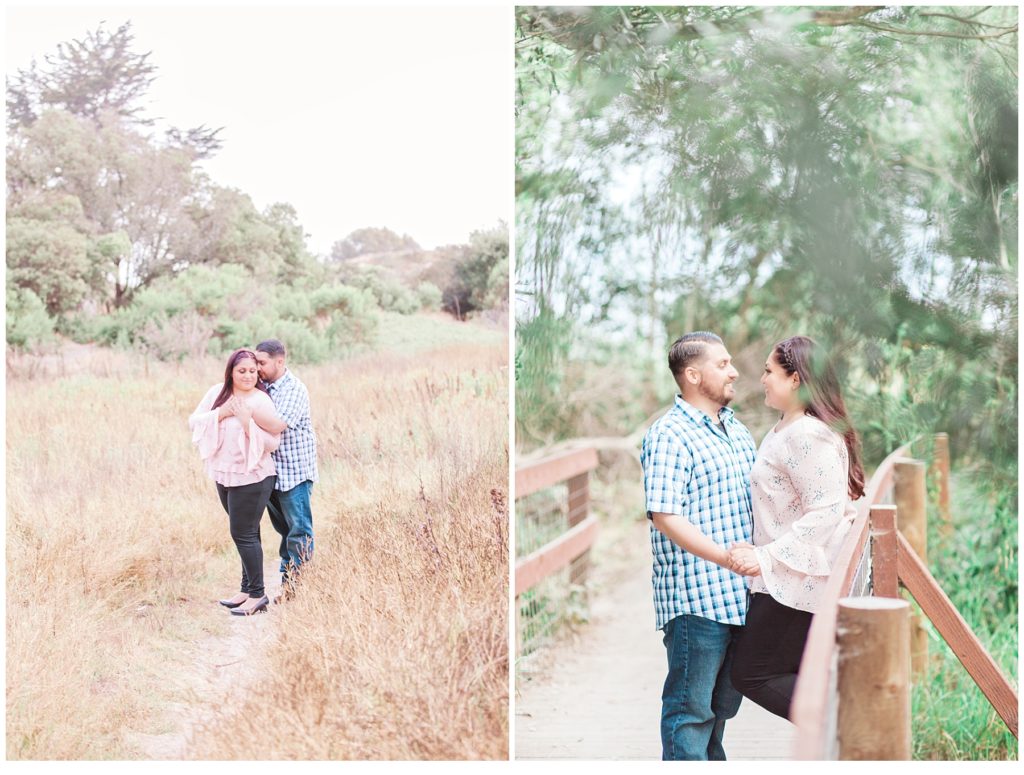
(845, 173)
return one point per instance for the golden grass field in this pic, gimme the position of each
(117, 550)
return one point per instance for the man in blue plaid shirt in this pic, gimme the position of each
(295, 459)
(697, 460)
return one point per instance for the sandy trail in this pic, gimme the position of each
(597, 694)
(224, 667)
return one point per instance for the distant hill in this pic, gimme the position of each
(410, 266)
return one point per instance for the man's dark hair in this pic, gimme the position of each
(273, 348)
(687, 349)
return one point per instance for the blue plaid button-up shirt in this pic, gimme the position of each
(295, 457)
(694, 468)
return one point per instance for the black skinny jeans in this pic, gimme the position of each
(768, 653)
(245, 506)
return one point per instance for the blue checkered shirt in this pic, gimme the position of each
(295, 457)
(694, 468)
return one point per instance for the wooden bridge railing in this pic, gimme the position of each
(571, 547)
(875, 559)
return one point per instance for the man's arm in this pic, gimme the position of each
(267, 419)
(687, 536)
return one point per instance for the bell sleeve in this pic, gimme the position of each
(205, 425)
(818, 466)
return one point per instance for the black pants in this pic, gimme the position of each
(245, 506)
(768, 653)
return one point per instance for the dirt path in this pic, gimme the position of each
(599, 695)
(224, 667)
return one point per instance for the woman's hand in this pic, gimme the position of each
(242, 411)
(743, 560)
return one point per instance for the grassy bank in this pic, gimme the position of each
(976, 565)
(117, 550)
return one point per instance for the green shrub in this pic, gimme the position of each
(80, 327)
(390, 293)
(429, 296)
(213, 310)
(304, 345)
(28, 324)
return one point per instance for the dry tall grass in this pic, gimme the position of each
(117, 548)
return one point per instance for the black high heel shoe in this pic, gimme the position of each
(259, 607)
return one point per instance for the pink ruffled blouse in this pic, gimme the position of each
(802, 511)
(229, 457)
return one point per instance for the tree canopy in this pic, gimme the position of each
(114, 229)
(371, 240)
(849, 173)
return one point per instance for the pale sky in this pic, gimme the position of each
(357, 116)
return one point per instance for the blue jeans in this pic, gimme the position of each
(292, 518)
(698, 696)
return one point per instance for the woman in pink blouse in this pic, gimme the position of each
(802, 485)
(236, 428)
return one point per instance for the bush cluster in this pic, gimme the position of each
(214, 310)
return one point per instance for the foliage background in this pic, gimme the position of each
(115, 234)
(130, 273)
(848, 173)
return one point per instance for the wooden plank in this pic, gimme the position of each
(554, 556)
(553, 470)
(956, 632)
(810, 696)
(885, 580)
(912, 515)
(579, 505)
(579, 498)
(596, 694)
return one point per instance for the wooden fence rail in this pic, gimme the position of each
(893, 561)
(957, 633)
(812, 711)
(571, 548)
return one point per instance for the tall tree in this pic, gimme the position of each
(480, 276)
(87, 77)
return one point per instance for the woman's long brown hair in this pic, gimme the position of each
(822, 398)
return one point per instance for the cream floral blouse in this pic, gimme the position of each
(802, 511)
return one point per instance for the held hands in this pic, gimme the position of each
(743, 561)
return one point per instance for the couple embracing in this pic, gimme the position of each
(743, 540)
(256, 441)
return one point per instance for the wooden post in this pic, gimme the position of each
(911, 508)
(884, 574)
(941, 458)
(579, 504)
(873, 640)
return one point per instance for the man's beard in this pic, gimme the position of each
(719, 397)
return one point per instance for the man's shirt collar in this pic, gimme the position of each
(280, 380)
(699, 417)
